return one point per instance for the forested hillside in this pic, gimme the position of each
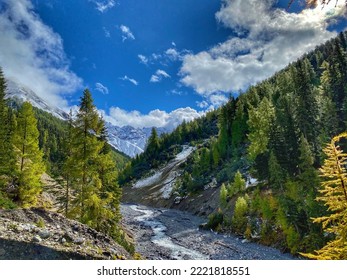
(266, 151)
(74, 152)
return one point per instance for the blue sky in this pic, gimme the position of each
(154, 62)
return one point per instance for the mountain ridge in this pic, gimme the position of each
(126, 139)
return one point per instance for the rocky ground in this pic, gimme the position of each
(37, 234)
(174, 234)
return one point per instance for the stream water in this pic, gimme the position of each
(173, 234)
(161, 239)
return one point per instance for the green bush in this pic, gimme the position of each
(215, 220)
(6, 203)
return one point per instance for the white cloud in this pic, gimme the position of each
(172, 53)
(32, 54)
(218, 100)
(101, 88)
(158, 76)
(158, 118)
(269, 39)
(106, 32)
(203, 104)
(126, 33)
(126, 78)
(176, 91)
(143, 59)
(104, 5)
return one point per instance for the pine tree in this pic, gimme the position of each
(110, 191)
(307, 111)
(223, 195)
(69, 166)
(334, 195)
(86, 149)
(152, 148)
(276, 174)
(338, 80)
(30, 161)
(239, 220)
(7, 126)
(285, 131)
(238, 185)
(92, 171)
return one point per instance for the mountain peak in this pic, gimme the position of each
(127, 139)
(19, 92)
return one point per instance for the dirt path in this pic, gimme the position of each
(173, 234)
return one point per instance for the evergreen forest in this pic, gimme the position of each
(75, 153)
(277, 153)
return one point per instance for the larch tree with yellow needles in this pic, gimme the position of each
(334, 195)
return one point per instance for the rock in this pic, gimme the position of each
(63, 240)
(44, 234)
(68, 237)
(75, 227)
(28, 227)
(19, 229)
(78, 241)
(203, 226)
(178, 200)
(37, 239)
(107, 254)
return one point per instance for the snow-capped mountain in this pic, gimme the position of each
(22, 94)
(131, 141)
(127, 139)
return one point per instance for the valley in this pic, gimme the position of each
(246, 163)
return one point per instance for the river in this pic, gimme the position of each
(174, 235)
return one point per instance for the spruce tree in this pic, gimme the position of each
(153, 145)
(30, 163)
(307, 111)
(276, 173)
(7, 125)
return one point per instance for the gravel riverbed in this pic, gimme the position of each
(172, 234)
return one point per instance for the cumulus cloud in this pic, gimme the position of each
(105, 5)
(126, 78)
(269, 38)
(126, 33)
(158, 118)
(32, 54)
(101, 88)
(217, 100)
(158, 76)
